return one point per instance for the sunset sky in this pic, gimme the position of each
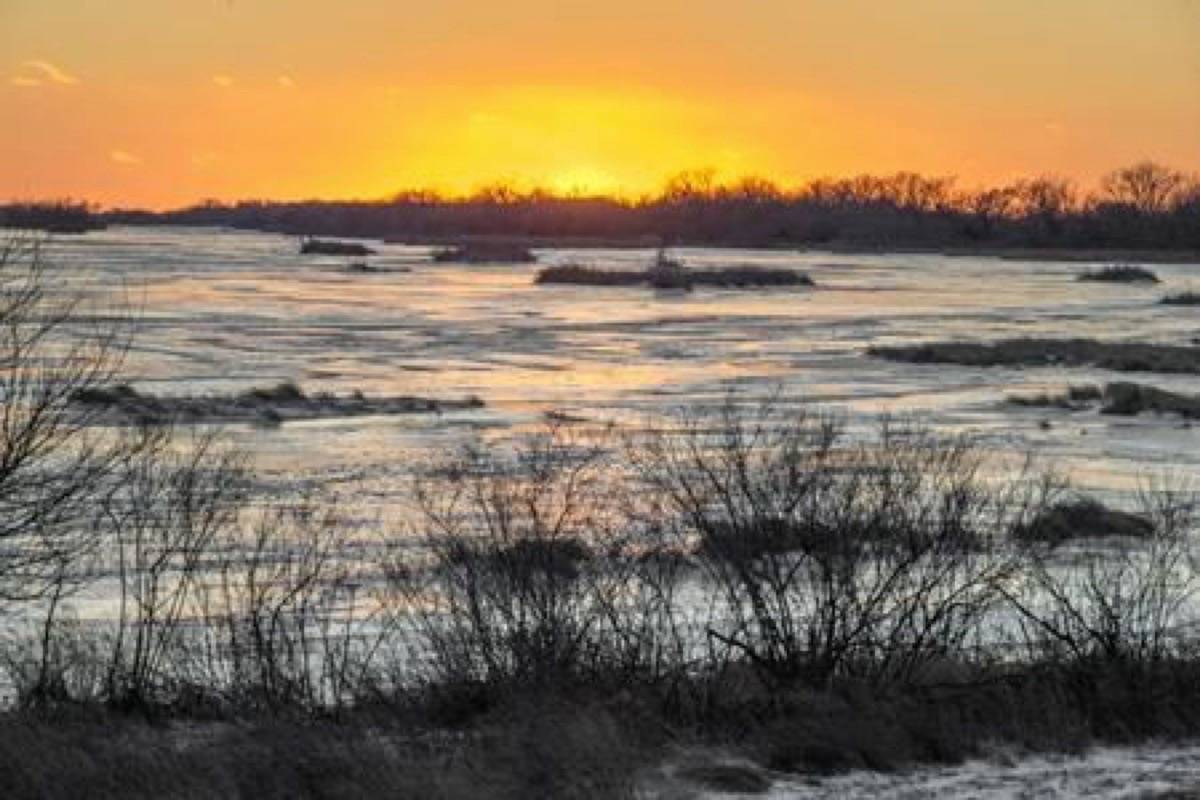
(164, 102)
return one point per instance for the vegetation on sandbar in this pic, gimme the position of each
(678, 277)
(1188, 298)
(1075, 398)
(1119, 399)
(1036, 352)
(327, 247)
(485, 252)
(1082, 518)
(1119, 273)
(283, 402)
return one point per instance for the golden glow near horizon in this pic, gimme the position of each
(146, 102)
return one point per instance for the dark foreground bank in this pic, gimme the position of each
(731, 735)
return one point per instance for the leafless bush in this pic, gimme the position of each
(1122, 603)
(528, 575)
(831, 558)
(162, 517)
(289, 621)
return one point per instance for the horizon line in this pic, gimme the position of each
(700, 181)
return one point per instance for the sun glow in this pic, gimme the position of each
(584, 180)
(144, 103)
(571, 141)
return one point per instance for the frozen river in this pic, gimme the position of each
(224, 311)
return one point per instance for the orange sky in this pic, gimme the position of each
(164, 102)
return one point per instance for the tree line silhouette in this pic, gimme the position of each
(1146, 205)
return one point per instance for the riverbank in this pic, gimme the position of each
(990, 737)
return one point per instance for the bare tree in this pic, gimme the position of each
(1147, 187)
(53, 466)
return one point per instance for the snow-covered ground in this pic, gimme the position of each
(1136, 772)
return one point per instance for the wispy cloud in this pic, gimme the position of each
(224, 81)
(123, 157)
(39, 72)
(51, 72)
(285, 82)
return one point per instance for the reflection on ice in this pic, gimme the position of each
(222, 311)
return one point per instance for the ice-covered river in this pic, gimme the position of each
(227, 310)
